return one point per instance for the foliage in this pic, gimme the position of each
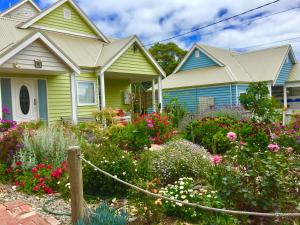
(254, 179)
(114, 161)
(11, 139)
(49, 144)
(258, 101)
(295, 122)
(5, 125)
(108, 116)
(105, 216)
(180, 158)
(175, 111)
(183, 190)
(43, 178)
(167, 55)
(148, 207)
(236, 113)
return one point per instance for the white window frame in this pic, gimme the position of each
(95, 93)
(67, 14)
(197, 53)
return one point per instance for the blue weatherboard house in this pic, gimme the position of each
(210, 77)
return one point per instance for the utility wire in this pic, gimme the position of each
(195, 205)
(215, 23)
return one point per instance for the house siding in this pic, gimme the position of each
(59, 94)
(134, 62)
(87, 111)
(114, 92)
(37, 50)
(190, 97)
(194, 63)
(56, 20)
(284, 72)
(23, 12)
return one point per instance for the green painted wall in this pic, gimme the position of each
(59, 94)
(134, 62)
(86, 111)
(56, 20)
(114, 92)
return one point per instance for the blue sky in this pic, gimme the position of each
(153, 20)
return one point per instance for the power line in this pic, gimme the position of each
(254, 19)
(215, 23)
(268, 43)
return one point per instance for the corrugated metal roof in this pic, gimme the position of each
(197, 77)
(295, 73)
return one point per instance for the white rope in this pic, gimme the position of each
(235, 212)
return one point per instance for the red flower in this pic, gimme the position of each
(9, 170)
(36, 175)
(48, 167)
(19, 163)
(17, 183)
(64, 164)
(22, 183)
(36, 188)
(41, 166)
(48, 190)
(57, 173)
(41, 179)
(34, 170)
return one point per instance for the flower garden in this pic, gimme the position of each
(243, 161)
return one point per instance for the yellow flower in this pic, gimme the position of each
(158, 202)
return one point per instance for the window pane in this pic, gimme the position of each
(86, 93)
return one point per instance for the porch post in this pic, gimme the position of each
(160, 97)
(285, 105)
(153, 96)
(102, 89)
(270, 89)
(74, 97)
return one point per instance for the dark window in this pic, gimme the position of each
(24, 100)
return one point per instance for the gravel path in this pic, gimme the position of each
(7, 194)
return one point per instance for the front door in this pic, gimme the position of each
(24, 99)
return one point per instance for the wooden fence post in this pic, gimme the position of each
(75, 176)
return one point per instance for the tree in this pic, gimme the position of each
(167, 55)
(257, 100)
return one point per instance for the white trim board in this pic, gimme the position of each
(18, 5)
(55, 6)
(133, 40)
(38, 36)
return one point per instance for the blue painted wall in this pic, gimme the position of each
(6, 96)
(190, 97)
(193, 63)
(285, 71)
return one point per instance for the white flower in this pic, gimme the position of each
(124, 173)
(179, 204)
(181, 187)
(123, 157)
(183, 196)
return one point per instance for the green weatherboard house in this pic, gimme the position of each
(56, 64)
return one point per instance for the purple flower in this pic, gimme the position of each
(5, 110)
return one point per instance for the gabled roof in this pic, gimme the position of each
(44, 13)
(26, 41)
(254, 66)
(22, 2)
(114, 50)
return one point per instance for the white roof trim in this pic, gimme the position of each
(55, 6)
(18, 5)
(191, 51)
(15, 50)
(125, 48)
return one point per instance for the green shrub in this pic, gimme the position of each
(175, 111)
(180, 158)
(114, 161)
(49, 144)
(105, 216)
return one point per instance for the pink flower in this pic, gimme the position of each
(242, 143)
(289, 149)
(34, 170)
(150, 125)
(216, 159)
(231, 136)
(273, 147)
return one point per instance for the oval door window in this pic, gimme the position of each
(24, 100)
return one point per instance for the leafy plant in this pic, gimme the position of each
(180, 158)
(258, 101)
(105, 216)
(175, 111)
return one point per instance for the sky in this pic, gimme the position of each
(154, 20)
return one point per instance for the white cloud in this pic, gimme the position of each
(121, 18)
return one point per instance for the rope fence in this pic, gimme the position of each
(195, 205)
